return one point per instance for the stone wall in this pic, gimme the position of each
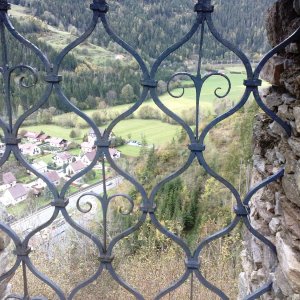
(4, 241)
(275, 210)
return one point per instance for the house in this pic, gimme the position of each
(2, 148)
(52, 176)
(30, 149)
(89, 157)
(43, 137)
(114, 153)
(5, 201)
(63, 158)
(57, 142)
(8, 180)
(32, 136)
(40, 166)
(92, 136)
(75, 167)
(15, 194)
(87, 147)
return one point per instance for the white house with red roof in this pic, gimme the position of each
(63, 158)
(2, 149)
(8, 180)
(15, 195)
(87, 147)
(52, 176)
(57, 142)
(114, 153)
(30, 149)
(89, 157)
(40, 166)
(75, 167)
(32, 136)
(43, 137)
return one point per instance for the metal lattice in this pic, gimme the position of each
(203, 22)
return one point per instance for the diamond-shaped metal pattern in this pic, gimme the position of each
(99, 8)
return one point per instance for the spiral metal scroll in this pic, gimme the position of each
(202, 23)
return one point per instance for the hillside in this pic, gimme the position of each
(152, 25)
(99, 71)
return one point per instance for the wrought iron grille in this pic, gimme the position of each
(203, 21)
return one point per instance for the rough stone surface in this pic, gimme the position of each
(296, 111)
(290, 187)
(295, 145)
(275, 210)
(289, 261)
(273, 70)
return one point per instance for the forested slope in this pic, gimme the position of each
(91, 77)
(152, 25)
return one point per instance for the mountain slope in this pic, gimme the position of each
(152, 25)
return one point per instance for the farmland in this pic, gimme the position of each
(153, 131)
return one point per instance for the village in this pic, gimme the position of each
(54, 158)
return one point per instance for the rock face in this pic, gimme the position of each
(4, 241)
(275, 210)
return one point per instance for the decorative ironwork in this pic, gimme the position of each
(99, 8)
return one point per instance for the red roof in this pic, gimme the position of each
(64, 155)
(8, 178)
(18, 191)
(113, 152)
(33, 135)
(52, 176)
(90, 155)
(43, 137)
(77, 166)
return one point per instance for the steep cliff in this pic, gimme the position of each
(275, 210)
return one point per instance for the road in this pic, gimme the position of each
(30, 222)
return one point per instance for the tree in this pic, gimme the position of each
(72, 134)
(89, 176)
(127, 94)
(97, 118)
(117, 141)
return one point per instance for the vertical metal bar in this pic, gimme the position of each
(6, 75)
(4, 46)
(104, 205)
(25, 281)
(198, 82)
(192, 287)
(201, 48)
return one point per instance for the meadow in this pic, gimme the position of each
(155, 132)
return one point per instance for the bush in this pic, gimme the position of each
(147, 112)
(74, 133)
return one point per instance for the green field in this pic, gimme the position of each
(155, 131)
(188, 100)
(130, 150)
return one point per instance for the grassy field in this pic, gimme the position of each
(155, 131)
(130, 150)
(188, 100)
